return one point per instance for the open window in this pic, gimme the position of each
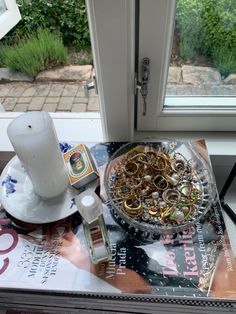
(9, 16)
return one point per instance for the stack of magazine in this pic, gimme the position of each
(47, 268)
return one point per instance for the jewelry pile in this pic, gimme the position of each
(157, 187)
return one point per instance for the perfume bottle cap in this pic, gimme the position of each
(88, 201)
(89, 205)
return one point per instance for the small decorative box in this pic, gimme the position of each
(80, 165)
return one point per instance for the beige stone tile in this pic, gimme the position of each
(70, 90)
(29, 92)
(79, 108)
(16, 91)
(50, 107)
(81, 100)
(20, 108)
(24, 100)
(93, 104)
(4, 90)
(52, 100)
(65, 103)
(42, 90)
(56, 90)
(36, 103)
(9, 103)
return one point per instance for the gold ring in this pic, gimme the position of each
(133, 183)
(153, 211)
(141, 157)
(123, 191)
(131, 168)
(160, 182)
(178, 165)
(160, 163)
(171, 196)
(151, 155)
(147, 192)
(186, 189)
(133, 207)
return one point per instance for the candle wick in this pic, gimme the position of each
(29, 126)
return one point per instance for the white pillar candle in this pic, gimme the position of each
(34, 140)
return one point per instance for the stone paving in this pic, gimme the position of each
(199, 81)
(62, 90)
(55, 90)
(51, 97)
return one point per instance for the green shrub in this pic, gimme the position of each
(208, 27)
(187, 50)
(36, 53)
(3, 52)
(220, 24)
(190, 27)
(224, 60)
(66, 16)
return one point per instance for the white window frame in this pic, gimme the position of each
(112, 36)
(156, 36)
(9, 18)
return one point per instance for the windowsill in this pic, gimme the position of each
(71, 127)
(87, 127)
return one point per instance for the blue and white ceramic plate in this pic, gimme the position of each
(19, 199)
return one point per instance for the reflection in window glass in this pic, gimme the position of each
(2, 6)
(203, 58)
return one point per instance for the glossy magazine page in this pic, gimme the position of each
(196, 262)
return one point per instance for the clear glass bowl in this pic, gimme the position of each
(161, 187)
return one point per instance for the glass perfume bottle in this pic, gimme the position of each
(90, 208)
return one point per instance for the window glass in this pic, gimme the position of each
(53, 65)
(203, 59)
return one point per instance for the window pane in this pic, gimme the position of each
(3, 7)
(203, 58)
(58, 74)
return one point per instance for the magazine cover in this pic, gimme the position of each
(196, 262)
